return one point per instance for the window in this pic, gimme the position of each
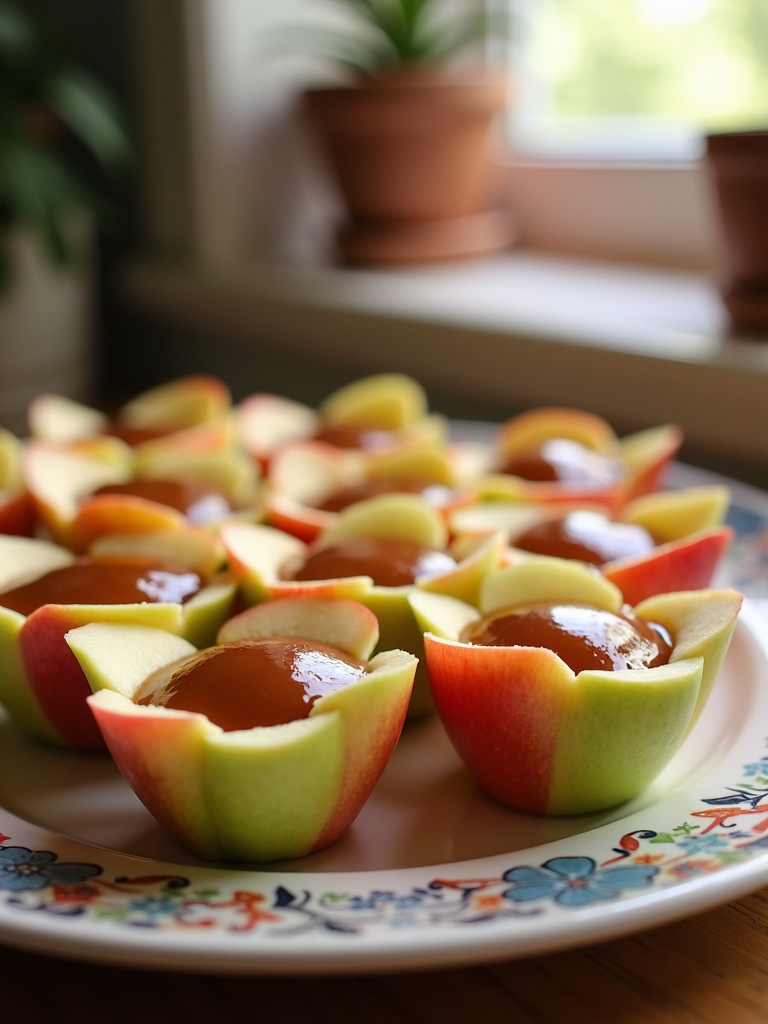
(637, 78)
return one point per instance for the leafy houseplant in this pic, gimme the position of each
(59, 132)
(50, 112)
(409, 137)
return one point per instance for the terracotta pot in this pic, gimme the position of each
(412, 149)
(739, 165)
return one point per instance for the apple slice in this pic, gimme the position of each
(265, 423)
(385, 401)
(673, 515)
(530, 429)
(184, 402)
(647, 455)
(60, 420)
(256, 794)
(541, 738)
(59, 478)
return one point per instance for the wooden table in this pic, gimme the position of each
(710, 969)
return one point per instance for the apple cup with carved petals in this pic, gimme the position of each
(243, 792)
(41, 684)
(660, 542)
(568, 455)
(543, 738)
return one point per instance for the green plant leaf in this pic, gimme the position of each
(88, 111)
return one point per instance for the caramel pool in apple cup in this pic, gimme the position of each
(382, 412)
(537, 735)
(41, 685)
(309, 483)
(264, 559)
(660, 542)
(250, 793)
(172, 411)
(562, 454)
(100, 487)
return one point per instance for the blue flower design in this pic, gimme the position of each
(702, 844)
(574, 881)
(21, 869)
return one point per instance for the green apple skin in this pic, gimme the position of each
(539, 739)
(253, 795)
(543, 740)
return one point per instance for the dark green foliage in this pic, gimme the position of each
(50, 115)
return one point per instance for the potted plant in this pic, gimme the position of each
(409, 137)
(53, 119)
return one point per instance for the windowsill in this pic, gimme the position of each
(639, 346)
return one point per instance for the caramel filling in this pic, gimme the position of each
(351, 436)
(390, 562)
(585, 638)
(559, 460)
(588, 536)
(257, 682)
(137, 435)
(434, 494)
(129, 580)
(200, 504)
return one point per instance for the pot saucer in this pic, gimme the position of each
(427, 241)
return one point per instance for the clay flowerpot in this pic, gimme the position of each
(739, 165)
(412, 155)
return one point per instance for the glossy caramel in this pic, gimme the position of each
(200, 504)
(586, 638)
(433, 494)
(262, 682)
(588, 536)
(560, 460)
(128, 580)
(390, 562)
(355, 437)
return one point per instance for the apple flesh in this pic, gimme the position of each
(542, 739)
(258, 794)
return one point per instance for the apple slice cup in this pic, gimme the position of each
(258, 555)
(644, 456)
(41, 684)
(539, 737)
(263, 793)
(304, 476)
(687, 525)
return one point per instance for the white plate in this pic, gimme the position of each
(433, 872)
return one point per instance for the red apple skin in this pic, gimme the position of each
(687, 564)
(127, 739)
(17, 515)
(508, 746)
(55, 676)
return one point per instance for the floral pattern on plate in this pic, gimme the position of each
(727, 828)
